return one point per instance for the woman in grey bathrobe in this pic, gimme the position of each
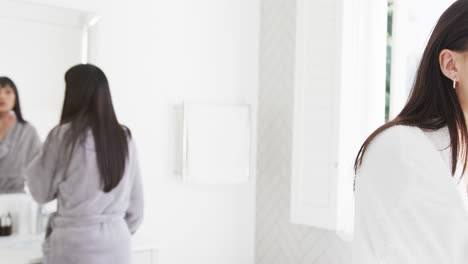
(19, 141)
(89, 164)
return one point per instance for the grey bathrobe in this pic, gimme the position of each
(17, 149)
(90, 226)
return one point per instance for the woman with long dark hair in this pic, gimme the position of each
(19, 141)
(89, 164)
(411, 183)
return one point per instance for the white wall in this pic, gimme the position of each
(157, 54)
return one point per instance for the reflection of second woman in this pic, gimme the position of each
(19, 141)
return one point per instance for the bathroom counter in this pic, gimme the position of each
(27, 249)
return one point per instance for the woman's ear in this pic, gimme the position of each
(448, 66)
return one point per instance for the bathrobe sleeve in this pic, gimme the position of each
(33, 144)
(134, 213)
(381, 184)
(3, 150)
(386, 170)
(41, 174)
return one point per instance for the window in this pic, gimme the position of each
(410, 30)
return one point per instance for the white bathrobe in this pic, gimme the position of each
(409, 209)
(90, 226)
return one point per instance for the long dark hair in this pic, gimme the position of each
(433, 103)
(88, 105)
(4, 82)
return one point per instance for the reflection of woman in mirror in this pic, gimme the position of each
(19, 141)
(89, 164)
(411, 182)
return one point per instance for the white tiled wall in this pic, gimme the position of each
(278, 241)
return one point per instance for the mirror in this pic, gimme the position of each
(40, 43)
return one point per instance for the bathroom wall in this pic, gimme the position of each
(277, 240)
(157, 54)
(203, 51)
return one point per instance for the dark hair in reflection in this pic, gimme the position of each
(433, 103)
(88, 105)
(4, 82)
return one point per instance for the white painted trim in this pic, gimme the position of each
(84, 6)
(362, 96)
(37, 13)
(321, 215)
(90, 21)
(356, 57)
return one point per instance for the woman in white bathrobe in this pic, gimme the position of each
(411, 178)
(89, 164)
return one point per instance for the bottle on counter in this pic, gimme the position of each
(6, 225)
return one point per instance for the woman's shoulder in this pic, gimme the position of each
(398, 134)
(397, 141)
(391, 155)
(58, 132)
(390, 166)
(60, 129)
(27, 128)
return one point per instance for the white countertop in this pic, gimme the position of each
(27, 249)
